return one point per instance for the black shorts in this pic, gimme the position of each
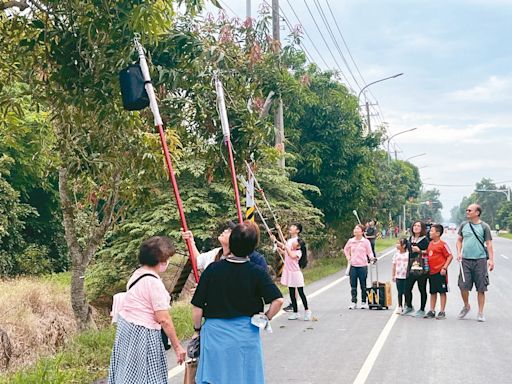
(438, 283)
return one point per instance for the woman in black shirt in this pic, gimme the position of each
(229, 293)
(418, 242)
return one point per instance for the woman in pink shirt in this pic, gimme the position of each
(138, 354)
(357, 251)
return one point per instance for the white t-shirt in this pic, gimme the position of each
(400, 260)
(205, 259)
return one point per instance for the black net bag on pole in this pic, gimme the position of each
(134, 94)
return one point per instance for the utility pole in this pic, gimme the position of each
(278, 114)
(248, 8)
(368, 116)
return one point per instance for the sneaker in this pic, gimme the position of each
(419, 313)
(407, 311)
(352, 306)
(399, 310)
(307, 315)
(481, 318)
(441, 316)
(364, 306)
(431, 315)
(463, 312)
(288, 308)
(293, 316)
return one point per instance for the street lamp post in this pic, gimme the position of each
(367, 105)
(506, 191)
(412, 157)
(396, 134)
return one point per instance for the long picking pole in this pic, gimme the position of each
(267, 228)
(159, 124)
(227, 139)
(262, 192)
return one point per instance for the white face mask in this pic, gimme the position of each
(163, 266)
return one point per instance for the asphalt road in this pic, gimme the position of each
(371, 346)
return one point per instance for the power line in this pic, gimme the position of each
(344, 42)
(331, 34)
(327, 45)
(379, 112)
(229, 8)
(307, 34)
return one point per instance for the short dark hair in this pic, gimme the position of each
(403, 242)
(423, 231)
(156, 249)
(439, 228)
(243, 239)
(299, 226)
(478, 208)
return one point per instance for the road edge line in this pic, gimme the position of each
(180, 368)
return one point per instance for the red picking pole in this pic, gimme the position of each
(159, 124)
(227, 139)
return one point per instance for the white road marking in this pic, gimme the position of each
(505, 257)
(374, 353)
(180, 368)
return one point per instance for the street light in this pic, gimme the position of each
(506, 191)
(412, 157)
(396, 134)
(367, 105)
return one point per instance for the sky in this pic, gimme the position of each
(456, 90)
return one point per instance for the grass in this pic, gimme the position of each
(83, 360)
(86, 357)
(383, 244)
(506, 235)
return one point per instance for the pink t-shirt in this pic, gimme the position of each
(143, 299)
(292, 275)
(357, 250)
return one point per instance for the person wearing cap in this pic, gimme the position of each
(206, 258)
(230, 292)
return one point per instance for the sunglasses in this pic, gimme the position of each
(469, 210)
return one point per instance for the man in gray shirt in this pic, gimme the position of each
(475, 252)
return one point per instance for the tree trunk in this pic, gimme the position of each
(81, 308)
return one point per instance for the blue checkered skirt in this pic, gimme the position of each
(138, 356)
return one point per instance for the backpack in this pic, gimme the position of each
(303, 261)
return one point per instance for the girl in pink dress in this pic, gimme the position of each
(292, 276)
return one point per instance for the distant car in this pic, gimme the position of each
(452, 226)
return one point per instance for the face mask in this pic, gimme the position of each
(163, 267)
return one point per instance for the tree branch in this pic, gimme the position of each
(22, 5)
(99, 232)
(68, 215)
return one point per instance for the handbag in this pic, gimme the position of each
(190, 372)
(193, 347)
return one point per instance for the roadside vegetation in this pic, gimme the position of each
(82, 182)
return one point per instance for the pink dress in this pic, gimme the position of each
(292, 275)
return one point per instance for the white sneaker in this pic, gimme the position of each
(293, 316)
(307, 315)
(352, 306)
(480, 318)
(364, 306)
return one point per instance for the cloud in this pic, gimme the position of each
(494, 88)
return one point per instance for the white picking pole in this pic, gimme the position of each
(356, 215)
(227, 139)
